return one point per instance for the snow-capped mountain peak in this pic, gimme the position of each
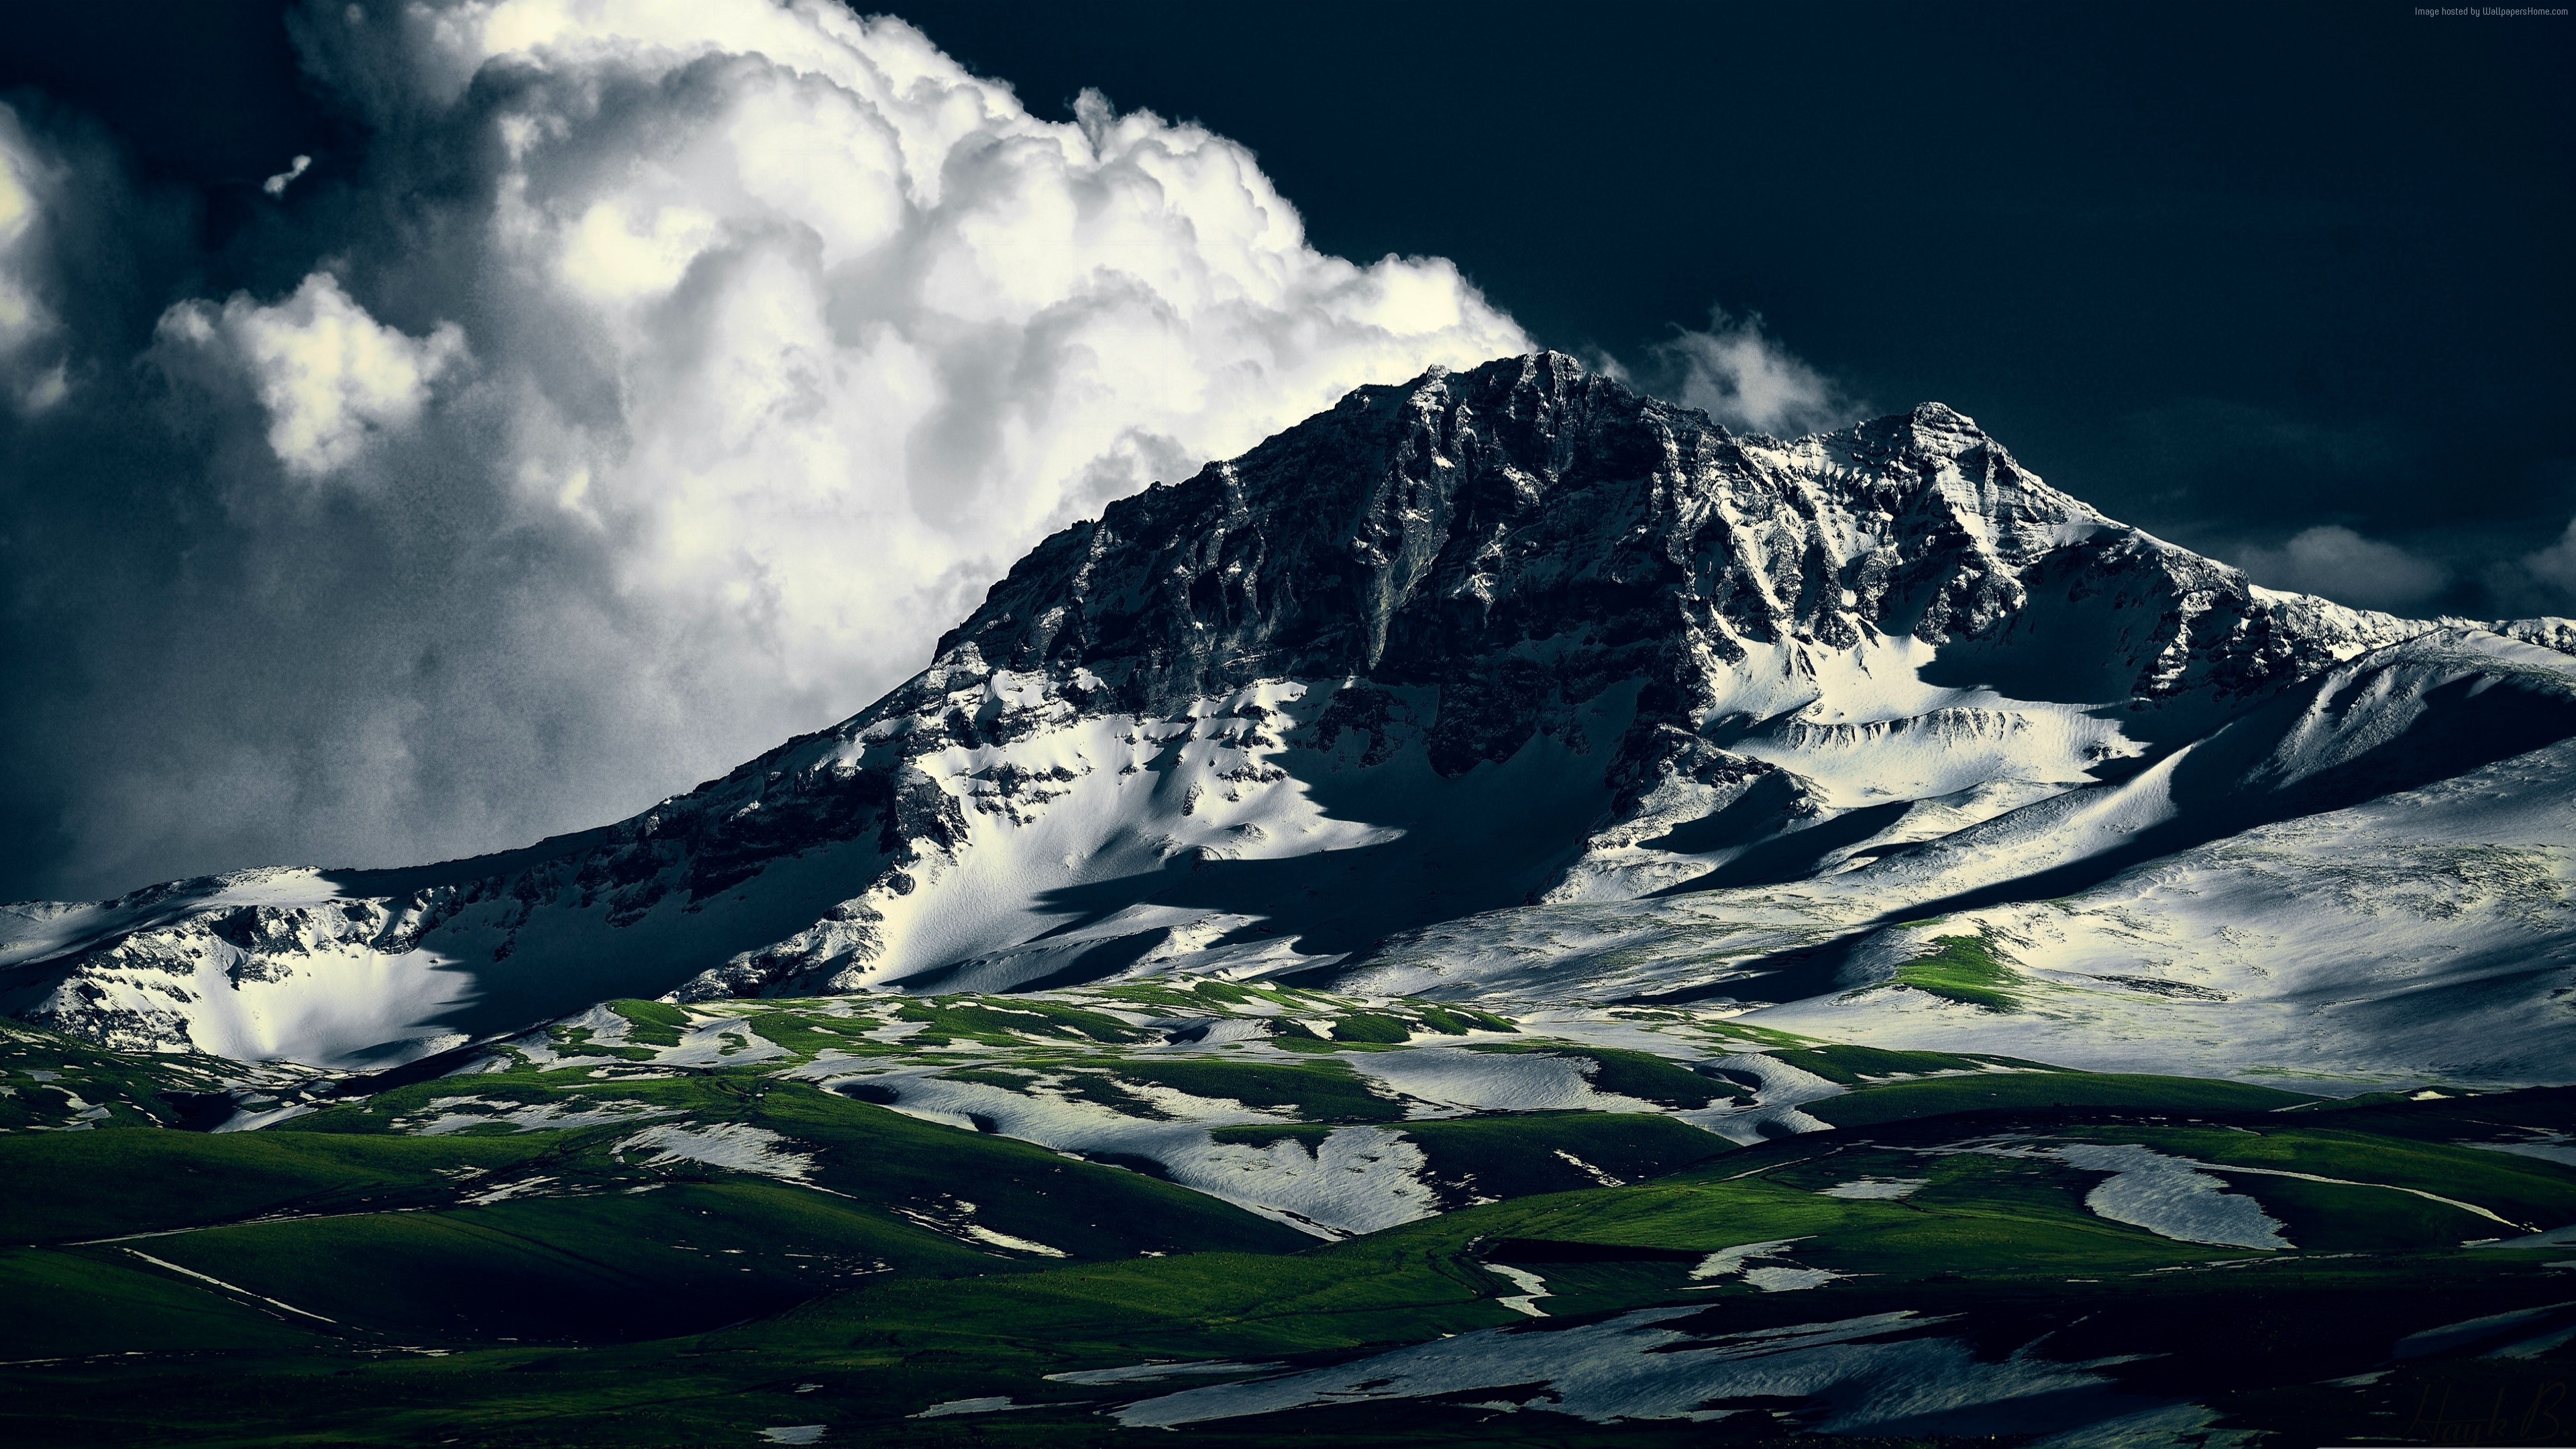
(1485, 640)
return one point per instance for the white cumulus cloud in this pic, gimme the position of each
(683, 369)
(1745, 379)
(329, 375)
(31, 368)
(826, 331)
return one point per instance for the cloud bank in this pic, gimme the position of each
(2346, 567)
(2556, 565)
(31, 363)
(659, 383)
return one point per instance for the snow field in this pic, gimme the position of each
(1451, 1081)
(1112, 796)
(2410, 939)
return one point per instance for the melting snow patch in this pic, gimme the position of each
(1532, 1286)
(1356, 1180)
(229, 1287)
(1861, 1372)
(735, 1145)
(1596, 1174)
(1458, 1080)
(983, 1234)
(726, 1041)
(1730, 1262)
(524, 1187)
(1145, 1373)
(2480, 1330)
(998, 1405)
(956, 1218)
(794, 1434)
(2171, 1198)
(2554, 1238)
(1789, 1280)
(2534, 1346)
(1875, 1188)
(2158, 1428)
(531, 1117)
(247, 1121)
(2552, 1147)
(1774, 1111)
(1215, 1032)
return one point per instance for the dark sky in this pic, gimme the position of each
(2237, 273)
(2228, 271)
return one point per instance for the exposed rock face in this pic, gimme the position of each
(1528, 534)
(1488, 637)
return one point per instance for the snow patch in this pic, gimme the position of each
(736, 1146)
(1875, 1189)
(1650, 1364)
(2171, 1197)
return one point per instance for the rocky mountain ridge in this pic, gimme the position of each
(1514, 635)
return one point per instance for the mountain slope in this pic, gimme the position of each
(1484, 645)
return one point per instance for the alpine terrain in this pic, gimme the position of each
(1507, 913)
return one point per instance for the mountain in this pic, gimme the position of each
(1513, 686)
(1863, 943)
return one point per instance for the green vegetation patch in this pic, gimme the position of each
(117, 1302)
(1759, 1036)
(810, 1033)
(2332, 1218)
(1372, 1026)
(1475, 1159)
(60, 1187)
(1005, 1025)
(653, 1023)
(577, 1040)
(1853, 1066)
(893, 1306)
(581, 1266)
(1458, 1020)
(1964, 969)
